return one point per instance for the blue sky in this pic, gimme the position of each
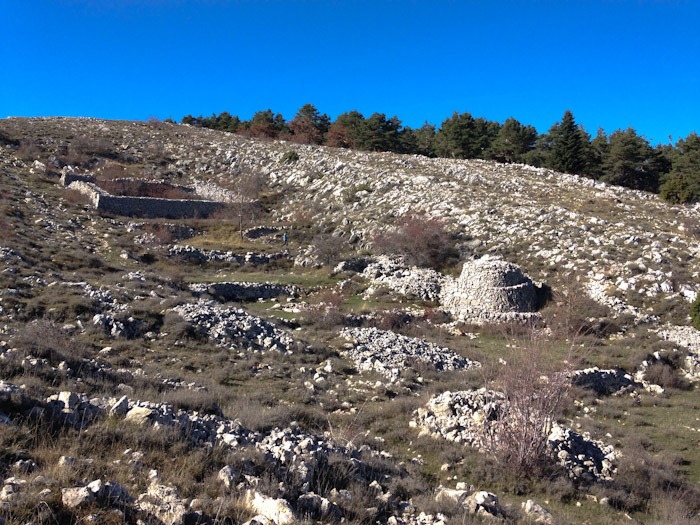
(615, 64)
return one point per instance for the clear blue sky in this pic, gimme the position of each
(615, 64)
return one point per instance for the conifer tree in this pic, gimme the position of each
(568, 145)
(631, 162)
(682, 184)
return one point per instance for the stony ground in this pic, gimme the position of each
(186, 371)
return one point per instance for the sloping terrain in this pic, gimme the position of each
(210, 370)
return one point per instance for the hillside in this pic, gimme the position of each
(195, 366)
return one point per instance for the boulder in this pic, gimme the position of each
(77, 497)
(277, 510)
(163, 503)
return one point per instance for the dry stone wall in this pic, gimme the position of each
(147, 207)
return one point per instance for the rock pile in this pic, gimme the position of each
(604, 382)
(488, 288)
(197, 256)
(391, 354)
(240, 291)
(688, 338)
(235, 329)
(467, 417)
(386, 271)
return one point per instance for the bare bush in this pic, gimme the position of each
(423, 241)
(572, 313)
(535, 387)
(327, 248)
(326, 312)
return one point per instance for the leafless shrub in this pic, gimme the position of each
(328, 248)
(28, 150)
(393, 320)
(572, 313)
(666, 374)
(423, 241)
(535, 388)
(326, 311)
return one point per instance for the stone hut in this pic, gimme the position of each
(489, 287)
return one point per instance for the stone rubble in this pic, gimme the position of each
(243, 291)
(198, 256)
(236, 329)
(391, 354)
(688, 338)
(390, 272)
(465, 417)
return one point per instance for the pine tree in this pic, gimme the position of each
(682, 184)
(464, 137)
(631, 162)
(513, 141)
(568, 146)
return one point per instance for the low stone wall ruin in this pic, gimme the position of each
(147, 207)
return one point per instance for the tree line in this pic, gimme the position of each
(623, 158)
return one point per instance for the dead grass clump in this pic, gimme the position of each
(643, 478)
(46, 340)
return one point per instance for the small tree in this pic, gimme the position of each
(695, 313)
(247, 186)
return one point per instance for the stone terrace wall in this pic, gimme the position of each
(157, 208)
(147, 207)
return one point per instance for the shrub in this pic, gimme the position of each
(422, 241)
(695, 313)
(535, 387)
(327, 248)
(290, 157)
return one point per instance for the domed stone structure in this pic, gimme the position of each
(490, 286)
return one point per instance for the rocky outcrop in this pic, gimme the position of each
(391, 354)
(490, 286)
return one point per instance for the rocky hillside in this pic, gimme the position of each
(278, 362)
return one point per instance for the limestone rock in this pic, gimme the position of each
(139, 415)
(537, 513)
(163, 503)
(277, 510)
(77, 497)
